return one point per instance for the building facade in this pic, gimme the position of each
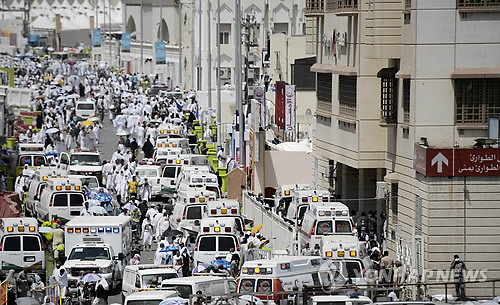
(405, 89)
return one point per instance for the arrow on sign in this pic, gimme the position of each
(439, 159)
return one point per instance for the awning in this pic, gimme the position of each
(391, 178)
(335, 69)
(403, 73)
(476, 73)
(387, 72)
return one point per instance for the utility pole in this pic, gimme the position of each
(180, 44)
(109, 33)
(199, 45)
(238, 82)
(219, 106)
(142, 36)
(209, 68)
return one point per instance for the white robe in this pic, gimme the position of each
(147, 233)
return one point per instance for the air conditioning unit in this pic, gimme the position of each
(382, 190)
(303, 135)
(225, 73)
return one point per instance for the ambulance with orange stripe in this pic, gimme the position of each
(281, 274)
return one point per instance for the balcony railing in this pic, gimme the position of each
(347, 110)
(315, 7)
(486, 5)
(342, 6)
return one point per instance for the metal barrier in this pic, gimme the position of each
(300, 297)
(280, 233)
(54, 294)
(255, 254)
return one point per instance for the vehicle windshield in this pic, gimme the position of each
(92, 160)
(89, 254)
(184, 290)
(148, 172)
(147, 279)
(86, 106)
(342, 226)
(93, 183)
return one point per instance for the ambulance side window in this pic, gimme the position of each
(31, 243)
(12, 243)
(193, 212)
(61, 200)
(137, 281)
(76, 200)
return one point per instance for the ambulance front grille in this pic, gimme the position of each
(80, 271)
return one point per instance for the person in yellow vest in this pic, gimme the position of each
(133, 185)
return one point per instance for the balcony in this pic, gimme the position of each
(315, 8)
(342, 7)
(478, 5)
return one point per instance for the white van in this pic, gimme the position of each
(137, 277)
(301, 200)
(283, 273)
(330, 218)
(217, 236)
(38, 183)
(92, 181)
(172, 143)
(170, 131)
(86, 108)
(153, 297)
(207, 180)
(208, 285)
(227, 208)
(21, 246)
(284, 195)
(188, 170)
(190, 208)
(151, 171)
(62, 197)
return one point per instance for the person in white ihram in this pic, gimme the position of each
(221, 157)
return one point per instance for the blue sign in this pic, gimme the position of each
(96, 38)
(160, 53)
(126, 39)
(34, 40)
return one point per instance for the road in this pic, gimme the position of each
(107, 146)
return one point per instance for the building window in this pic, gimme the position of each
(406, 99)
(302, 76)
(388, 95)
(476, 100)
(394, 201)
(324, 87)
(224, 33)
(347, 95)
(280, 28)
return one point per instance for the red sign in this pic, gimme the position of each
(279, 108)
(456, 161)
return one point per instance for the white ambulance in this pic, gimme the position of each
(138, 277)
(327, 218)
(283, 274)
(229, 208)
(100, 244)
(171, 170)
(151, 171)
(301, 200)
(188, 170)
(30, 154)
(172, 143)
(217, 236)
(283, 196)
(62, 197)
(21, 246)
(207, 180)
(38, 183)
(170, 131)
(190, 208)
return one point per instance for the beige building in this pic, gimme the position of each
(404, 90)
